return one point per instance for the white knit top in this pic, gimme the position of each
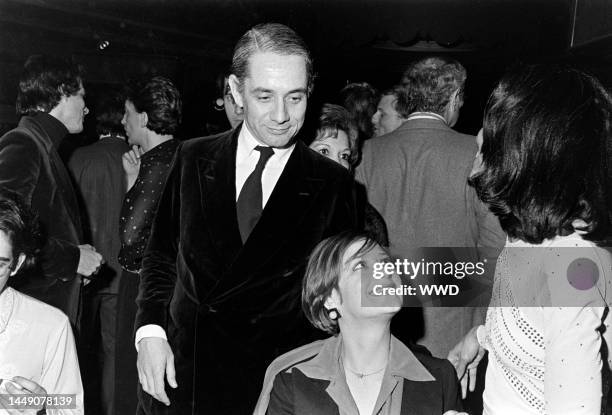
(543, 328)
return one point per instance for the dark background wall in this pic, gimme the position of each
(191, 42)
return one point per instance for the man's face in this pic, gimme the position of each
(132, 123)
(71, 111)
(386, 118)
(273, 96)
(7, 266)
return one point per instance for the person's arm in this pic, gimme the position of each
(157, 281)
(20, 168)
(572, 337)
(61, 373)
(349, 212)
(281, 397)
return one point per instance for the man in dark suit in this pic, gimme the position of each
(51, 98)
(241, 211)
(98, 172)
(416, 177)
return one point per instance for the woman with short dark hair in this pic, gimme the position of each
(362, 369)
(544, 170)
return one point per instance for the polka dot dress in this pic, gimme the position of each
(140, 204)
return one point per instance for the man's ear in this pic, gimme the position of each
(19, 263)
(234, 84)
(456, 101)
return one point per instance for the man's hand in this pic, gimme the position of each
(131, 164)
(89, 260)
(465, 357)
(155, 359)
(22, 386)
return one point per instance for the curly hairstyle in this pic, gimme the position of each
(546, 154)
(44, 81)
(432, 81)
(161, 100)
(323, 275)
(21, 226)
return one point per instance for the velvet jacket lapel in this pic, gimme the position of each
(217, 175)
(291, 199)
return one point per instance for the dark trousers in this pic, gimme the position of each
(126, 374)
(97, 351)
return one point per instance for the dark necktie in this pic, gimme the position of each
(250, 200)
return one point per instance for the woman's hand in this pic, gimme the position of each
(131, 164)
(465, 357)
(22, 386)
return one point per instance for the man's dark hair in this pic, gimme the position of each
(270, 37)
(360, 99)
(161, 100)
(546, 154)
(21, 226)
(109, 112)
(432, 81)
(401, 104)
(44, 81)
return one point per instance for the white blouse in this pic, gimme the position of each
(543, 328)
(36, 342)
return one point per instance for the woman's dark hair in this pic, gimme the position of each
(44, 81)
(21, 226)
(323, 275)
(161, 100)
(334, 118)
(546, 154)
(361, 99)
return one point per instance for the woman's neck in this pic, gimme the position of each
(365, 348)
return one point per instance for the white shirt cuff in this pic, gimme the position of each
(150, 330)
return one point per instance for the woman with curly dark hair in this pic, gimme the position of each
(544, 170)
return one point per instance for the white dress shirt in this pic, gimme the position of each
(246, 160)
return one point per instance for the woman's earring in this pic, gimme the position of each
(333, 314)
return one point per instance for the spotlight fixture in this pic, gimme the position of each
(103, 44)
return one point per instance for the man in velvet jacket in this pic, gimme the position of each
(51, 96)
(222, 287)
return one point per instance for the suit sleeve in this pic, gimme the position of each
(20, 168)
(281, 397)
(452, 396)
(349, 212)
(158, 274)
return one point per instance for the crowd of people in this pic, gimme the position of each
(157, 274)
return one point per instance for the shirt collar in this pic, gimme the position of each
(7, 299)
(426, 115)
(402, 362)
(247, 143)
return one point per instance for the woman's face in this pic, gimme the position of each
(359, 294)
(334, 148)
